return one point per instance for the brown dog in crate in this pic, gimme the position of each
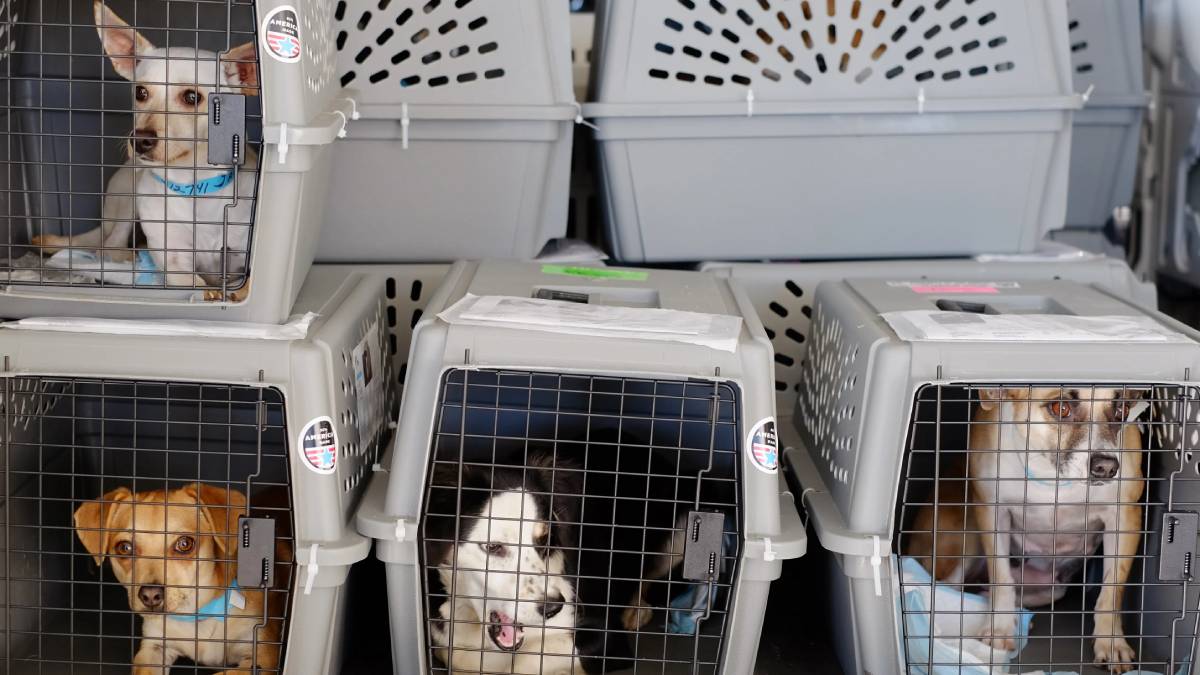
(1054, 474)
(174, 552)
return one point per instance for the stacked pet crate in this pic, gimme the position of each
(189, 415)
(1064, 402)
(584, 476)
(463, 149)
(1172, 242)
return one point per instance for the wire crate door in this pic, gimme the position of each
(579, 521)
(1048, 526)
(145, 524)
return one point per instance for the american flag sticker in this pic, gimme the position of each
(763, 446)
(281, 34)
(319, 445)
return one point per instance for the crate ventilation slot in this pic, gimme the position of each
(827, 399)
(438, 43)
(772, 42)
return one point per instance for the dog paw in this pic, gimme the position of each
(1116, 652)
(1000, 634)
(633, 618)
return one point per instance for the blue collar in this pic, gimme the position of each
(204, 187)
(217, 608)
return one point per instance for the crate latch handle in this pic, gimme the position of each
(311, 575)
(283, 143)
(876, 561)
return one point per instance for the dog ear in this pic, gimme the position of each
(240, 64)
(563, 479)
(221, 511)
(92, 521)
(122, 43)
(988, 396)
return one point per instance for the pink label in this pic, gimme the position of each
(955, 289)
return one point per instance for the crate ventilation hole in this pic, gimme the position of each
(773, 41)
(826, 402)
(436, 43)
(788, 343)
(322, 63)
(1081, 59)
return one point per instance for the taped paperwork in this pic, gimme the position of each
(295, 329)
(936, 326)
(715, 331)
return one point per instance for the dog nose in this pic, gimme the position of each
(151, 596)
(1104, 467)
(551, 607)
(144, 140)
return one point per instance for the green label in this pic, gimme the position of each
(595, 272)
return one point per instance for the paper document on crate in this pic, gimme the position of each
(938, 326)
(716, 331)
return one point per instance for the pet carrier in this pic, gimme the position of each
(1008, 442)
(1177, 208)
(607, 436)
(465, 145)
(783, 293)
(1106, 59)
(189, 488)
(842, 128)
(158, 162)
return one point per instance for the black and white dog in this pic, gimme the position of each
(500, 544)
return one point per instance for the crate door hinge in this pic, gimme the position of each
(1177, 546)
(256, 552)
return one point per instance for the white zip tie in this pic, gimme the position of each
(353, 108)
(1087, 95)
(921, 101)
(579, 117)
(401, 530)
(283, 144)
(876, 561)
(768, 551)
(313, 567)
(341, 132)
(749, 103)
(404, 122)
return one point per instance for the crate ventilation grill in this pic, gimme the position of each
(772, 42)
(436, 44)
(322, 62)
(1081, 57)
(828, 393)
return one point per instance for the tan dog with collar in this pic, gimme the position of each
(174, 550)
(1054, 474)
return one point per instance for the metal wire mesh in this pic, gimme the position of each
(1059, 528)
(123, 515)
(106, 158)
(558, 510)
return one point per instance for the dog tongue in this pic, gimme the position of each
(507, 636)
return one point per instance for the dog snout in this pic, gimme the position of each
(144, 140)
(551, 607)
(151, 596)
(1104, 467)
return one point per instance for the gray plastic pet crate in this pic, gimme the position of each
(69, 113)
(540, 362)
(783, 293)
(1106, 59)
(463, 149)
(831, 129)
(86, 409)
(872, 395)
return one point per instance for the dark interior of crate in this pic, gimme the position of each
(71, 441)
(1060, 633)
(644, 454)
(67, 114)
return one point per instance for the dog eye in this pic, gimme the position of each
(141, 93)
(184, 545)
(191, 97)
(123, 548)
(1060, 409)
(497, 550)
